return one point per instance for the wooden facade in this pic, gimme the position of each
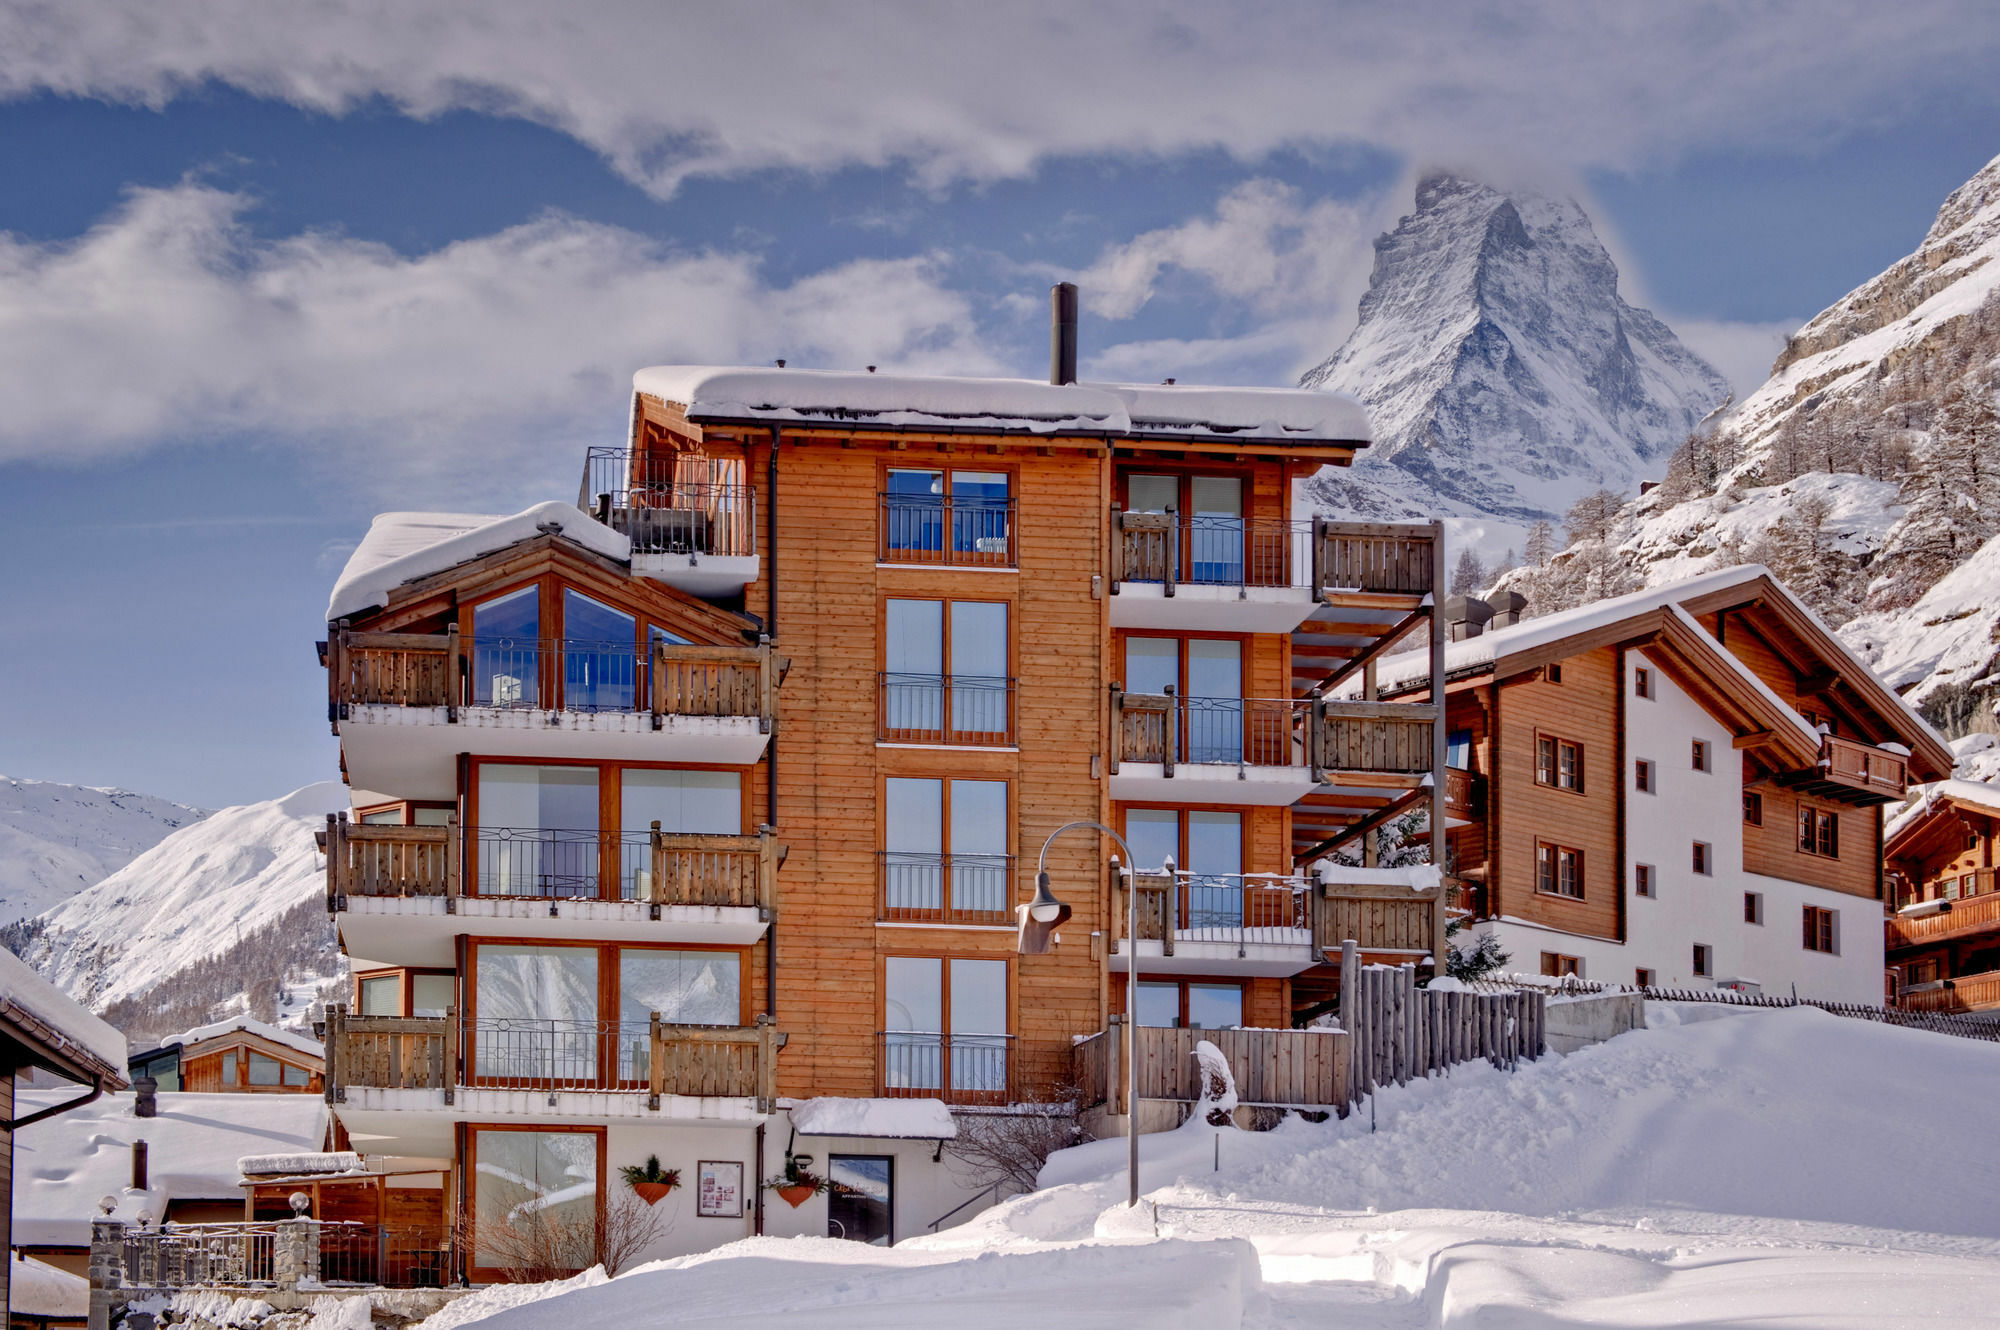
(1942, 943)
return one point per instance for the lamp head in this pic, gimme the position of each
(1039, 919)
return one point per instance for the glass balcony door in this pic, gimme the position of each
(537, 1022)
(507, 650)
(600, 669)
(705, 803)
(538, 831)
(1207, 675)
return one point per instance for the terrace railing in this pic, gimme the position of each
(945, 529)
(946, 888)
(1960, 916)
(647, 498)
(1376, 736)
(1373, 558)
(959, 710)
(1176, 550)
(957, 1068)
(1231, 731)
(367, 859)
(1236, 909)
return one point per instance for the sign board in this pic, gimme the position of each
(719, 1189)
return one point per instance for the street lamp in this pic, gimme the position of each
(1039, 919)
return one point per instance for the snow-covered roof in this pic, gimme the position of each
(1805, 731)
(1415, 877)
(1489, 646)
(302, 1163)
(910, 401)
(248, 1026)
(402, 547)
(64, 1165)
(1977, 794)
(67, 1023)
(891, 1119)
(35, 1288)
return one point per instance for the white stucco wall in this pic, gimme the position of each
(1660, 829)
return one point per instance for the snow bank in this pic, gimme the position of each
(829, 397)
(401, 547)
(67, 1023)
(299, 1164)
(894, 1119)
(65, 1164)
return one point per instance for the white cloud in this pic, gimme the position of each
(169, 320)
(1742, 351)
(987, 91)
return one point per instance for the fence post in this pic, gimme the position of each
(448, 1072)
(453, 847)
(1350, 1013)
(1114, 1065)
(295, 1253)
(655, 1058)
(1117, 722)
(451, 672)
(336, 1041)
(107, 1271)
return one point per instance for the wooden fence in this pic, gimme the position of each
(1404, 1033)
(1374, 557)
(363, 859)
(690, 869)
(394, 669)
(1273, 1068)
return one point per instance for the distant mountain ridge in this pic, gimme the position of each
(57, 840)
(1504, 373)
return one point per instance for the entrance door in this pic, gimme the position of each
(859, 1206)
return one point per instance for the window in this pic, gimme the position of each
(695, 803)
(1971, 840)
(1819, 832)
(1642, 776)
(554, 1175)
(1207, 541)
(432, 994)
(600, 669)
(1704, 960)
(1821, 929)
(380, 995)
(1642, 977)
(1703, 853)
(1207, 847)
(1558, 763)
(1458, 750)
(935, 516)
(1558, 870)
(1555, 965)
(383, 817)
(1642, 682)
(944, 1030)
(229, 1067)
(506, 650)
(1926, 971)
(944, 850)
(263, 1070)
(1554, 673)
(1753, 907)
(1207, 675)
(945, 676)
(1701, 755)
(1190, 1006)
(861, 1205)
(1753, 808)
(537, 833)
(1642, 879)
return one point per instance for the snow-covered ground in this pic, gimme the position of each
(1725, 1167)
(57, 840)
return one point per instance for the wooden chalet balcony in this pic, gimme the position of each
(957, 1068)
(539, 863)
(1974, 992)
(1284, 1068)
(689, 525)
(453, 1053)
(1852, 772)
(1247, 922)
(1379, 918)
(1374, 558)
(1387, 737)
(1962, 917)
(1464, 795)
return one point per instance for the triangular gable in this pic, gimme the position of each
(249, 1039)
(1933, 812)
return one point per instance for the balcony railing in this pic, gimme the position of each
(1380, 918)
(961, 710)
(946, 529)
(450, 1052)
(1233, 731)
(548, 863)
(1236, 909)
(441, 670)
(1177, 550)
(946, 888)
(650, 499)
(1375, 558)
(1376, 736)
(1973, 992)
(1464, 794)
(1957, 917)
(1852, 772)
(957, 1068)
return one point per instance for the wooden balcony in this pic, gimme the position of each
(1282, 1068)
(1387, 737)
(691, 524)
(363, 859)
(1389, 919)
(1464, 795)
(1237, 910)
(1976, 992)
(452, 1053)
(1852, 772)
(1374, 558)
(1962, 917)
(1211, 749)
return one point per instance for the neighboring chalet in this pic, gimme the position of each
(238, 1055)
(1682, 786)
(1943, 940)
(42, 1029)
(691, 821)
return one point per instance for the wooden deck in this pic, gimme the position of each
(1852, 772)
(1976, 992)
(1964, 917)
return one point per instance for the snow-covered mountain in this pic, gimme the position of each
(230, 906)
(1505, 375)
(56, 840)
(1865, 472)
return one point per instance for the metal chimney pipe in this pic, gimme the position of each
(145, 1097)
(1062, 333)
(138, 1166)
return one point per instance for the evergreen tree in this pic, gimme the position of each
(1541, 544)
(1470, 577)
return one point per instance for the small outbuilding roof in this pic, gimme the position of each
(44, 1016)
(883, 1119)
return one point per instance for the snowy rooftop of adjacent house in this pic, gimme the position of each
(1023, 405)
(22, 990)
(35, 1288)
(891, 1119)
(248, 1026)
(65, 1164)
(402, 547)
(1978, 794)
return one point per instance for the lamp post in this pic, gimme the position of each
(1039, 919)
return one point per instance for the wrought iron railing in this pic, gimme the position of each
(947, 529)
(1178, 550)
(956, 709)
(957, 1068)
(653, 501)
(654, 866)
(946, 888)
(1234, 731)
(1236, 909)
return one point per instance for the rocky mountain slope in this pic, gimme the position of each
(1865, 472)
(227, 913)
(1505, 374)
(56, 840)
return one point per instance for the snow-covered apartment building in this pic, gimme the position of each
(691, 821)
(1681, 787)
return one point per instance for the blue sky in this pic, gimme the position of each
(262, 277)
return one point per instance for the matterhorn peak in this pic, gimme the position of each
(1504, 373)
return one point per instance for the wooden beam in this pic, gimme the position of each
(1380, 817)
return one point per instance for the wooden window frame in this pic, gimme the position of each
(1645, 882)
(1821, 930)
(1549, 776)
(1182, 983)
(1181, 852)
(1702, 755)
(469, 1153)
(1753, 808)
(1702, 960)
(947, 736)
(1553, 672)
(1555, 854)
(945, 780)
(1753, 908)
(945, 465)
(1642, 682)
(944, 956)
(1642, 776)
(1818, 832)
(1701, 858)
(1642, 977)
(406, 991)
(1556, 965)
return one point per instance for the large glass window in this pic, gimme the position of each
(1215, 530)
(1215, 867)
(936, 516)
(1155, 837)
(913, 1011)
(263, 1070)
(1207, 675)
(927, 997)
(945, 671)
(534, 1189)
(1191, 1006)
(702, 803)
(537, 830)
(537, 1014)
(506, 650)
(380, 995)
(599, 672)
(913, 646)
(979, 1026)
(978, 667)
(432, 994)
(944, 848)
(685, 987)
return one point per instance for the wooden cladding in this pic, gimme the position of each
(428, 1053)
(1358, 556)
(1378, 919)
(1979, 992)
(1375, 736)
(714, 681)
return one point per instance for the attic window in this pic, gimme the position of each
(1642, 682)
(1554, 674)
